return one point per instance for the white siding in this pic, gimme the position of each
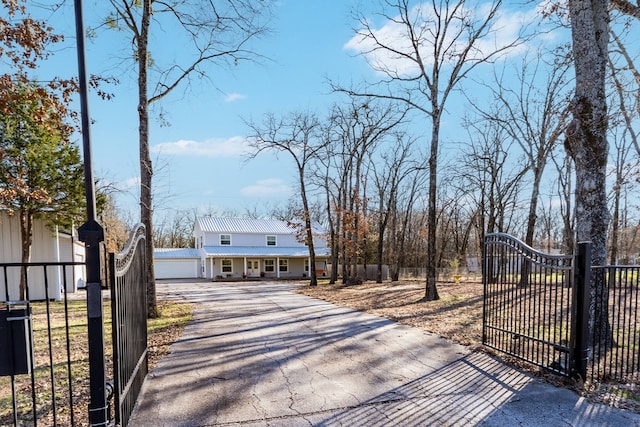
(252, 240)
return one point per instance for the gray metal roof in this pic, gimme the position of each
(242, 225)
(175, 253)
(261, 251)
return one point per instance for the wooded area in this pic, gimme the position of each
(388, 171)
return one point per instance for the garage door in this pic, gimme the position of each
(176, 268)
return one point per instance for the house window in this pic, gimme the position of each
(271, 241)
(269, 266)
(306, 264)
(225, 239)
(284, 265)
(227, 266)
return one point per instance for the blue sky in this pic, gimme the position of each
(198, 160)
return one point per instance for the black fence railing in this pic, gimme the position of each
(41, 363)
(560, 312)
(129, 316)
(615, 341)
(527, 303)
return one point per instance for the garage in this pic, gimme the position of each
(176, 263)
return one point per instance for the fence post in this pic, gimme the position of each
(91, 233)
(580, 311)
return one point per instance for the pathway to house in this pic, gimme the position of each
(258, 354)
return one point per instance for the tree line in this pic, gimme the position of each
(377, 168)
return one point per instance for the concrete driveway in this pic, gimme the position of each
(258, 354)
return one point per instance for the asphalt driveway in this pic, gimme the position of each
(258, 354)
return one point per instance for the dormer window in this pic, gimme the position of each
(225, 240)
(271, 241)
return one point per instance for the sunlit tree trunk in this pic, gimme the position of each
(587, 144)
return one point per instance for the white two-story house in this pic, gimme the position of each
(245, 248)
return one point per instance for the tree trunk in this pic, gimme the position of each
(308, 230)
(146, 170)
(587, 143)
(26, 233)
(431, 291)
(332, 237)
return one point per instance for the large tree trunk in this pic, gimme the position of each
(587, 143)
(146, 169)
(431, 291)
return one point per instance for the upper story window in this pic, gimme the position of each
(271, 241)
(225, 239)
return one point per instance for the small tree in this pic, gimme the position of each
(40, 171)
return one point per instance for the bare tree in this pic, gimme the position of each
(624, 169)
(353, 133)
(492, 177)
(441, 45)
(534, 116)
(625, 99)
(217, 33)
(395, 166)
(403, 224)
(298, 136)
(564, 169)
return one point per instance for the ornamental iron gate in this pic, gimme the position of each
(561, 313)
(528, 300)
(129, 317)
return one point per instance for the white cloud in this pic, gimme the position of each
(232, 97)
(265, 188)
(132, 182)
(217, 147)
(504, 31)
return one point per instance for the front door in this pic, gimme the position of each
(253, 268)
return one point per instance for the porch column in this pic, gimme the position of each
(278, 267)
(211, 267)
(244, 260)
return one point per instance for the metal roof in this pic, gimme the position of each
(261, 251)
(242, 225)
(175, 253)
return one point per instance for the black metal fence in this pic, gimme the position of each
(615, 342)
(129, 316)
(561, 313)
(41, 366)
(527, 303)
